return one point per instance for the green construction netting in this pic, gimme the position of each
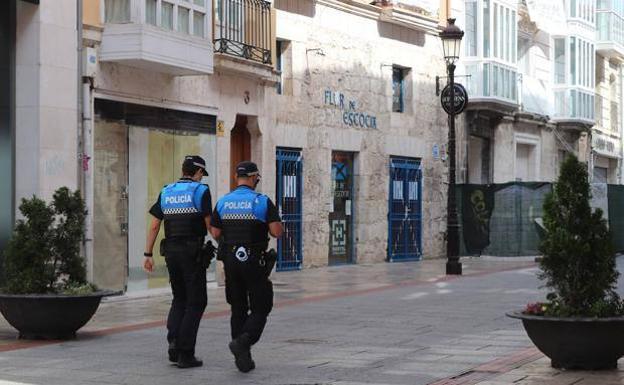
(616, 215)
(506, 219)
(501, 219)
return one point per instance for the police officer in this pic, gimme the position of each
(241, 222)
(185, 208)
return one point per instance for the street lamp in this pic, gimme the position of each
(451, 38)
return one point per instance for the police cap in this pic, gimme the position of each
(247, 168)
(195, 161)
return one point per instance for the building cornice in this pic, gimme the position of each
(392, 15)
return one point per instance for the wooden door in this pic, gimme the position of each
(240, 147)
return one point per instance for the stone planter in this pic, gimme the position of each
(49, 316)
(576, 343)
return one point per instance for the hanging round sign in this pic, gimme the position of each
(461, 99)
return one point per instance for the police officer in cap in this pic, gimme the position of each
(242, 221)
(185, 207)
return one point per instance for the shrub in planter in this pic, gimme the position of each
(580, 325)
(46, 293)
(578, 264)
(43, 256)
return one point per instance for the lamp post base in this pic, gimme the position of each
(453, 268)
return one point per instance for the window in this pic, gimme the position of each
(526, 158)
(486, 28)
(279, 65)
(501, 36)
(600, 175)
(560, 63)
(184, 16)
(116, 11)
(150, 12)
(283, 64)
(471, 28)
(183, 20)
(398, 88)
(582, 9)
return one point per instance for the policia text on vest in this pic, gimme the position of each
(241, 222)
(185, 207)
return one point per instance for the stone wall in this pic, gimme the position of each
(356, 59)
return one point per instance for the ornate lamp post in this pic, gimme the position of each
(451, 38)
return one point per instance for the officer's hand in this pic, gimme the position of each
(148, 264)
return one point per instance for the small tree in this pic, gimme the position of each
(578, 263)
(43, 255)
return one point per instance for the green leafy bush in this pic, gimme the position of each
(578, 263)
(43, 255)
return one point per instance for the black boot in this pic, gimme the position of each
(173, 352)
(188, 360)
(240, 348)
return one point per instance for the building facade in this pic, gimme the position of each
(38, 103)
(335, 101)
(606, 136)
(544, 81)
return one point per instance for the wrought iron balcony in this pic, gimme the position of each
(243, 29)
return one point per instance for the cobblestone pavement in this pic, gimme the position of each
(403, 323)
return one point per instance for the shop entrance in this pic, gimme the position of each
(341, 213)
(138, 150)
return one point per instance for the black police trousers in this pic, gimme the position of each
(249, 292)
(188, 284)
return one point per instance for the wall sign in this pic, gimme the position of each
(605, 145)
(350, 114)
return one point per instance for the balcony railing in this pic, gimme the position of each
(243, 29)
(492, 80)
(574, 104)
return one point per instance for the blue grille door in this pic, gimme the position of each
(289, 190)
(405, 210)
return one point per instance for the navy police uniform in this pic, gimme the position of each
(243, 216)
(183, 206)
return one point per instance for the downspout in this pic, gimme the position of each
(79, 89)
(83, 108)
(87, 150)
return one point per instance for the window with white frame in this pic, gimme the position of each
(582, 9)
(184, 16)
(560, 60)
(578, 62)
(574, 98)
(491, 47)
(117, 11)
(496, 23)
(471, 32)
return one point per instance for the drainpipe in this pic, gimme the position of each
(87, 151)
(79, 89)
(84, 146)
